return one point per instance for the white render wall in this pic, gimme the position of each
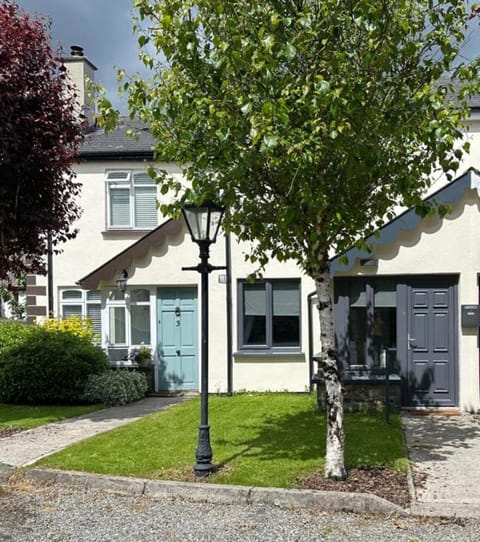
(94, 245)
(446, 245)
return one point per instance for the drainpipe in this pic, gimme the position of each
(310, 296)
(228, 262)
(50, 274)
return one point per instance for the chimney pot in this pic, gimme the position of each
(75, 50)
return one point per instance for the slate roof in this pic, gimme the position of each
(473, 101)
(99, 145)
(116, 145)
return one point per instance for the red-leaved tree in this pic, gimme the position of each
(40, 134)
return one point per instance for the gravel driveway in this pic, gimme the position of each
(34, 512)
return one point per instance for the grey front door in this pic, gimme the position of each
(430, 375)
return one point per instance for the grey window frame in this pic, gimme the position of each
(268, 346)
(342, 303)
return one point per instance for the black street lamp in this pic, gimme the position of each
(203, 223)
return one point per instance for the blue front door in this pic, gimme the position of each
(177, 338)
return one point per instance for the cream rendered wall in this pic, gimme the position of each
(272, 372)
(444, 246)
(93, 245)
(162, 267)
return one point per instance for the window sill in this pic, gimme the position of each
(125, 233)
(269, 355)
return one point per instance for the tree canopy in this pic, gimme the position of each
(316, 117)
(309, 120)
(40, 133)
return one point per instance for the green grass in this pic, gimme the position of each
(27, 417)
(257, 439)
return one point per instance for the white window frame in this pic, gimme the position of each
(127, 303)
(124, 179)
(81, 301)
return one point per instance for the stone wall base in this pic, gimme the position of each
(360, 396)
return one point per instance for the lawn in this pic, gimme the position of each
(27, 417)
(257, 439)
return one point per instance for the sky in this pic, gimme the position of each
(104, 29)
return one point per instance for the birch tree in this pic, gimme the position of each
(309, 120)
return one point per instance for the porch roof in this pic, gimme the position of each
(407, 221)
(124, 259)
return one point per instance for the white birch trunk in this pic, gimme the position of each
(328, 367)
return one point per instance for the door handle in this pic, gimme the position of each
(178, 352)
(177, 311)
(411, 342)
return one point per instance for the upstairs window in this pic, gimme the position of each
(131, 200)
(270, 315)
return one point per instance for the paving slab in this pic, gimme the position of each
(26, 447)
(445, 456)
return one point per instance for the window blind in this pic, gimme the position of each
(119, 207)
(145, 206)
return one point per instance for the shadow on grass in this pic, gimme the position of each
(301, 437)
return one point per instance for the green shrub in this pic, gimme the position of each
(48, 367)
(115, 387)
(12, 332)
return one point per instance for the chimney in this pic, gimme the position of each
(80, 70)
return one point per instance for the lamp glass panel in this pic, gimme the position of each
(197, 221)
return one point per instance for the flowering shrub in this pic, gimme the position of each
(12, 332)
(81, 327)
(115, 387)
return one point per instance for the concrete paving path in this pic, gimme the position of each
(445, 456)
(24, 448)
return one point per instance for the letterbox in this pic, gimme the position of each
(470, 316)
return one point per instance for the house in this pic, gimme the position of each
(412, 302)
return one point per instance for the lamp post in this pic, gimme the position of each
(203, 223)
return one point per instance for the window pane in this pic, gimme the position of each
(142, 177)
(286, 331)
(140, 318)
(286, 313)
(94, 295)
(139, 295)
(254, 317)
(94, 312)
(286, 298)
(357, 294)
(254, 303)
(71, 310)
(385, 293)
(385, 333)
(358, 333)
(119, 207)
(72, 294)
(117, 175)
(254, 330)
(117, 325)
(146, 207)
